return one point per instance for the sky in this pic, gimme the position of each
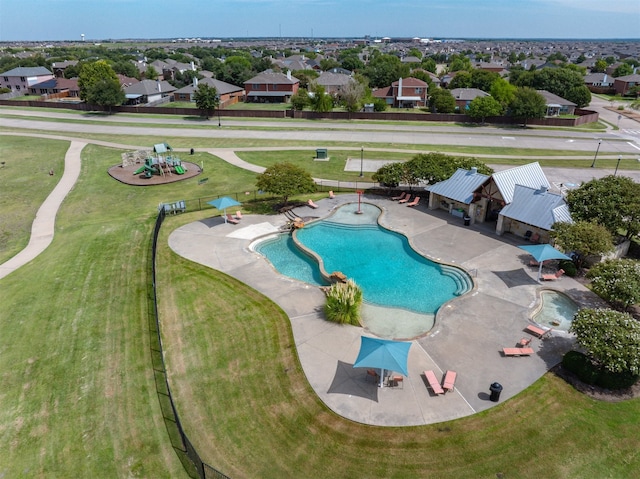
(57, 20)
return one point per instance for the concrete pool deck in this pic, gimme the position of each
(468, 336)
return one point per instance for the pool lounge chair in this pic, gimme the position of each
(231, 219)
(449, 381)
(524, 342)
(395, 381)
(536, 331)
(311, 204)
(405, 199)
(404, 193)
(415, 201)
(433, 382)
(331, 195)
(373, 375)
(238, 215)
(517, 351)
(553, 277)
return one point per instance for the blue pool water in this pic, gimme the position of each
(381, 262)
(556, 311)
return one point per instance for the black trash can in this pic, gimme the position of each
(192, 151)
(467, 220)
(496, 389)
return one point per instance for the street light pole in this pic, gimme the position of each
(219, 125)
(361, 160)
(596, 156)
(617, 164)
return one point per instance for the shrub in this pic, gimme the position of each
(343, 303)
(569, 267)
(589, 373)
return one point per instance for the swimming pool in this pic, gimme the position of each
(391, 274)
(556, 310)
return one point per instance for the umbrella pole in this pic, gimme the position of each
(540, 271)
(381, 377)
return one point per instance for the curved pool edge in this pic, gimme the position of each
(539, 304)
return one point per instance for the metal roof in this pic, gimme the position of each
(536, 207)
(460, 186)
(530, 175)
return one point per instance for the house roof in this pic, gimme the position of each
(26, 72)
(221, 87)
(460, 186)
(530, 175)
(467, 94)
(635, 77)
(57, 83)
(149, 87)
(273, 78)
(333, 79)
(536, 207)
(410, 82)
(554, 99)
(598, 78)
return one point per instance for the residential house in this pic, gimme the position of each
(59, 67)
(148, 91)
(229, 94)
(333, 83)
(56, 88)
(126, 81)
(599, 82)
(20, 79)
(622, 85)
(533, 211)
(557, 105)
(271, 87)
(404, 93)
(464, 96)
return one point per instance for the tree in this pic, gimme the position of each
(612, 201)
(434, 167)
(305, 77)
(611, 339)
(391, 174)
(600, 66)
(285, 180)
(482, 79)
(503, 92)
(384, 69)
(459, 62)
(461, 80)
(441, 101)
(555, 80)
(622, 70)
(320, 101)
(351, 95)
(528, 103)
(617, 281)
(580, 95)
(126, 68)
(236, 70)
(300, 100)
(484, 106)
(207, 99)
(99, 84)
(429, 64)
(151, 73)
(584, 238)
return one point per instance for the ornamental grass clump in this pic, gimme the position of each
(343, 303)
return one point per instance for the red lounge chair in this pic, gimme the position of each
(433, 382)
(415, 201)
(449, 381)
(238, 215)
(552, 277)
(405, 199)
(311, 204)
(399, 197)
(231, 219)
(536, 331)
(331, 195)
(524, 342)
(517, 351)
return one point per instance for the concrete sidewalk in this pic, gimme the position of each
(468, 335)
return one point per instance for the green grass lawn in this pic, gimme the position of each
(78, 391)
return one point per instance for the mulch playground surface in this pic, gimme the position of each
(126, 175)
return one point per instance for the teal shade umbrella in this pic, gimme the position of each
(383, 354)
(223, 203)
(543, 252)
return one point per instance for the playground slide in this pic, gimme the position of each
(179, 169)
(139, 170)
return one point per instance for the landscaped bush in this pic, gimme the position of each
(569, 267)
(343, 303)
(588, 373)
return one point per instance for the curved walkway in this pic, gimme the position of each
(469, 335)
(43, 226)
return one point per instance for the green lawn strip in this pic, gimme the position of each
(250, 412)
(24, 184)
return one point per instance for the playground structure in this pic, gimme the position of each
(161, 161)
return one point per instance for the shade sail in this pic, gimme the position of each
(383, 354)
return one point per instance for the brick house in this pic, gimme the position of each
(271, 87)
(404, 93)
(56, 88)
(229, 94)
(622, 85)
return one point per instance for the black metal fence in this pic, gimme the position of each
(187, 453)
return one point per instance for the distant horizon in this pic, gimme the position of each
(69, 20)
